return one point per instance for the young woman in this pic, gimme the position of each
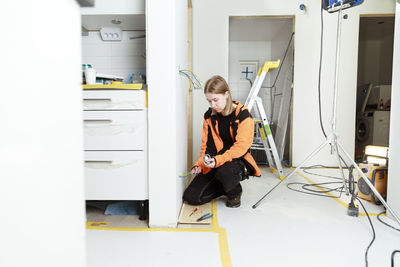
(225, 158)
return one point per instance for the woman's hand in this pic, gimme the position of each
(210, 163)
(196, 170)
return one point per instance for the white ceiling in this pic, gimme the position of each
(255, 28)
(128, 22)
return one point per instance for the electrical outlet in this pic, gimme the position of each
(111, 34)
(248, 69)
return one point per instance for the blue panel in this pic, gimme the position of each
(331, 2)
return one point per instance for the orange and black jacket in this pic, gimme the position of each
(242, 133)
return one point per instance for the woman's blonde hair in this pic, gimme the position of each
(217, 85)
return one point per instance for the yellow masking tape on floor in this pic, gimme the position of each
(91, 227)
(335, 198)
(214, 219)
(224, 249)
(96, 224)
(222, 237)
(223, 240)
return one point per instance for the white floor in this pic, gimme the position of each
(287, 229)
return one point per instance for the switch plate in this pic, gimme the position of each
(111, 34)
(248, 69)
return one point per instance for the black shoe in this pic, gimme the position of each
(233, 202)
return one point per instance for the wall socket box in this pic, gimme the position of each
(111, 34)
(248, 69)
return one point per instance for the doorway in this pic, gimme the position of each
(252, 41)
(374, 80)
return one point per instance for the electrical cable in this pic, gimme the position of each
(324, 133)
(337, 189)
(187, 174)
(193, 79)
(319, 79)
(321, 175)
(322, 192)
(251, 83)
(283, 60)
(319, 71)
(373, 232)
(273, 87)
(388, 225)
(393, 253)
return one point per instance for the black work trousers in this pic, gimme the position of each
(224, 180)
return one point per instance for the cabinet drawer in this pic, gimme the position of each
(115, 175)
(115, 130)
(114, 99)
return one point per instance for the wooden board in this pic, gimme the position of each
(188, 209)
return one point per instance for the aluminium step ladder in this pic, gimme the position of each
(263, 126)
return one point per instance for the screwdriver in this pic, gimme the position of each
(205, 217)
(196, 209)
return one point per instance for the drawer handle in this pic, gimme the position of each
(99, 161)
(109, 164)
(97, 99)
(94, 121)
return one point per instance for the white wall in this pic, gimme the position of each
(393, 195)
(41, 161)
(375, 53)
(166, 30)
(210, 56)
(114, 57)
(181, 50)
(115, 7)
(243, 51)
(369, 59)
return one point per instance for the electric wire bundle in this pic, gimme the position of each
(193, 79)
(323, 189)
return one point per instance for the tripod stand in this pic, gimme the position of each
(333, 138)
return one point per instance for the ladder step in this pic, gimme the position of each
(260, 148)
(263, 126)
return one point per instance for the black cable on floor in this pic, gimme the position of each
(321, 175)
(393, 253)
(304, 185)
(324, 190)
(388, 225)
(373, 232)
(320, 193)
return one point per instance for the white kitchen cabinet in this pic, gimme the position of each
(115, 130)
(115, 145)
(115, 175)
(114, 99)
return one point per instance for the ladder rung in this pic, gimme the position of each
(260, 148)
